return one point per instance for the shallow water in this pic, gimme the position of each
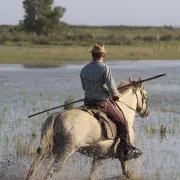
(26, 91)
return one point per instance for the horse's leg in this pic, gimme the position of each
(61, 154)
(94, 168)
(125, 171)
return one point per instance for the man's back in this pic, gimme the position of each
(96, 77)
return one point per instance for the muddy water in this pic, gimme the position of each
(25, 91)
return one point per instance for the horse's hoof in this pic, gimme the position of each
(123, 177)
(111, 153)
(130, 176)
(38, 150)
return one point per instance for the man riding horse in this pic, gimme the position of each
(99, 87)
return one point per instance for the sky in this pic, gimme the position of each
(104, 12)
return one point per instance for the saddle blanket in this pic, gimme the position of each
(109, 130)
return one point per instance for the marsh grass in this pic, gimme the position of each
(21, 146)
(85, 35)
(162, 130)
(68, 100)
(55, 56)
(73, 43)
(19, 121)
(32, 144)
(1, 121)
(158, 174)
(6, 143)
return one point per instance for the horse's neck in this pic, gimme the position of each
(128, 103)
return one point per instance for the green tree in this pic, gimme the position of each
(40, 16)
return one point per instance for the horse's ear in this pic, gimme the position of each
(130, 80)
(141, 84)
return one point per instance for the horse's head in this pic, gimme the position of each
(142, 99)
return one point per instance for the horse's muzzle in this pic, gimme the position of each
(145, 113)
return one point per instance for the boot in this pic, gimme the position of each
(111, 150)
(128, 152)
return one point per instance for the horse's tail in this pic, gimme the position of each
(47, 141)
(47, 144)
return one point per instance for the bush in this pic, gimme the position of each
(118, 40)
(166, 37)
(149, 38)
(5, 37)
(18, 36)
(137, 38)
(84, 37)
(41, 40)
(177, 37)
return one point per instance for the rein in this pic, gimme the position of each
(139, 113)
(127, 106)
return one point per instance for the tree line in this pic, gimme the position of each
(42, 25)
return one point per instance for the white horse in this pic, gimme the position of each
(75, 130)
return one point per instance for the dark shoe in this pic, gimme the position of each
(111, 153)
(132, 153)
(38, 150)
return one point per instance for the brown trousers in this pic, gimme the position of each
(116, 116)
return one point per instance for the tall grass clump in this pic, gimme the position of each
(4, 37)
(166, 37)
(20, 146)
(118, 40)
(67, 101)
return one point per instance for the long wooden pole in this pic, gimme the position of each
(55, 108)
(125, 86)
(142, 81)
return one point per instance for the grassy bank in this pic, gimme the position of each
(73, 43)
(59, 54)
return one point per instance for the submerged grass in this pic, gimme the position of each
(68, 100)
(158, 174)
(162, 130)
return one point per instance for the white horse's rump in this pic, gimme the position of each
(76, 130)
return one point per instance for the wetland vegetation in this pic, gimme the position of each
(25, 92)
(73, 43)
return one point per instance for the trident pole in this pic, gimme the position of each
(80, 100)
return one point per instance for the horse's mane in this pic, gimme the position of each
(125, 89)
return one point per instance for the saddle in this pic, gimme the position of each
(109, 130)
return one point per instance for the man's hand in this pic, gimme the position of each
(115, 98)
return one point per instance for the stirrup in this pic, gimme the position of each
(137, 152)
(134, 154)
(111, 152)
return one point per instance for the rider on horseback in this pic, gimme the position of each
(99, 86)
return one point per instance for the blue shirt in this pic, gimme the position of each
(97, 81)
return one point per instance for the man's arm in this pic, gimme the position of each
(82, 82)
(109, 80)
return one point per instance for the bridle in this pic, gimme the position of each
(142, 99)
